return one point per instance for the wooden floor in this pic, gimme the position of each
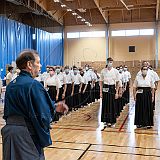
(77, 136)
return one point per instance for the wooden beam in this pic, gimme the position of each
(97, 2)
(124, 4)
(135, 7)
(157, 10)
(56, 15)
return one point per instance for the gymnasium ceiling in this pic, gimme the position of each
(102, 11)
(48, 13)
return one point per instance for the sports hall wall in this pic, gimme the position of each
(93, 50)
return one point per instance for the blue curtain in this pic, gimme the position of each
(14, 38)
(17, 36)
(50, 47)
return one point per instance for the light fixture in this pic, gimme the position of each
(63, 5)
(69, 10)
(56, 1)
(83, 20)
(74, 13)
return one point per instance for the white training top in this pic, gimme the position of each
(123, 78)
(127, 76)
(152, 73)
(44, 76)
(77, 79)
(62, 78)
(88, 75)
(144, 82)
(109, 77)
(10, 76)
(84, 80)
(53, 81)
(68, 77)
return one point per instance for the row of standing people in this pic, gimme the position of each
(77, 87)
(114, 90)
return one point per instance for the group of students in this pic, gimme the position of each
(28, 106)
(114, 91)
(78, 87)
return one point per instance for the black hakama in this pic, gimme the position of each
(97, 91)
(108, 104)
(68, 97)
(93, 94)
(83, 100)
(52, 91)
(143, 107)
(153, 104)
(88, 91)
(76, 96)
(126, 94)
(61, 90)
(118, 106)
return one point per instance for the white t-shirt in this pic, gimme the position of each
(127, 76)
(122, 77)
(10, 76)
(149, 72)
(53, 81)
(84, 80)
(62, 78)
(44, 76)
(88, 75)
(68, 78)
(77, 79)
(144, 82)
(156, 77)
(109, 77)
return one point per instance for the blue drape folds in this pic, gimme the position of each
(16, 36)
(50, 48)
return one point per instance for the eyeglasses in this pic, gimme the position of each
(50, 70)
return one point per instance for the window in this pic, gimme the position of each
(132, 32)
(146, 31)
(136, 32)
(118, 33)
(92, 34)
(73, 35)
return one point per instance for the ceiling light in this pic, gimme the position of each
(63, 5)
(74, 13)
(83, 20)
(69, 10)
(79, 17)
(89, 24)
(82, 10)
(56, 0)
(86, 22)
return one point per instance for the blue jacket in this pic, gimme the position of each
(27, 97)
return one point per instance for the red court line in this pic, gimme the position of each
(123, 123)
(125, 120)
